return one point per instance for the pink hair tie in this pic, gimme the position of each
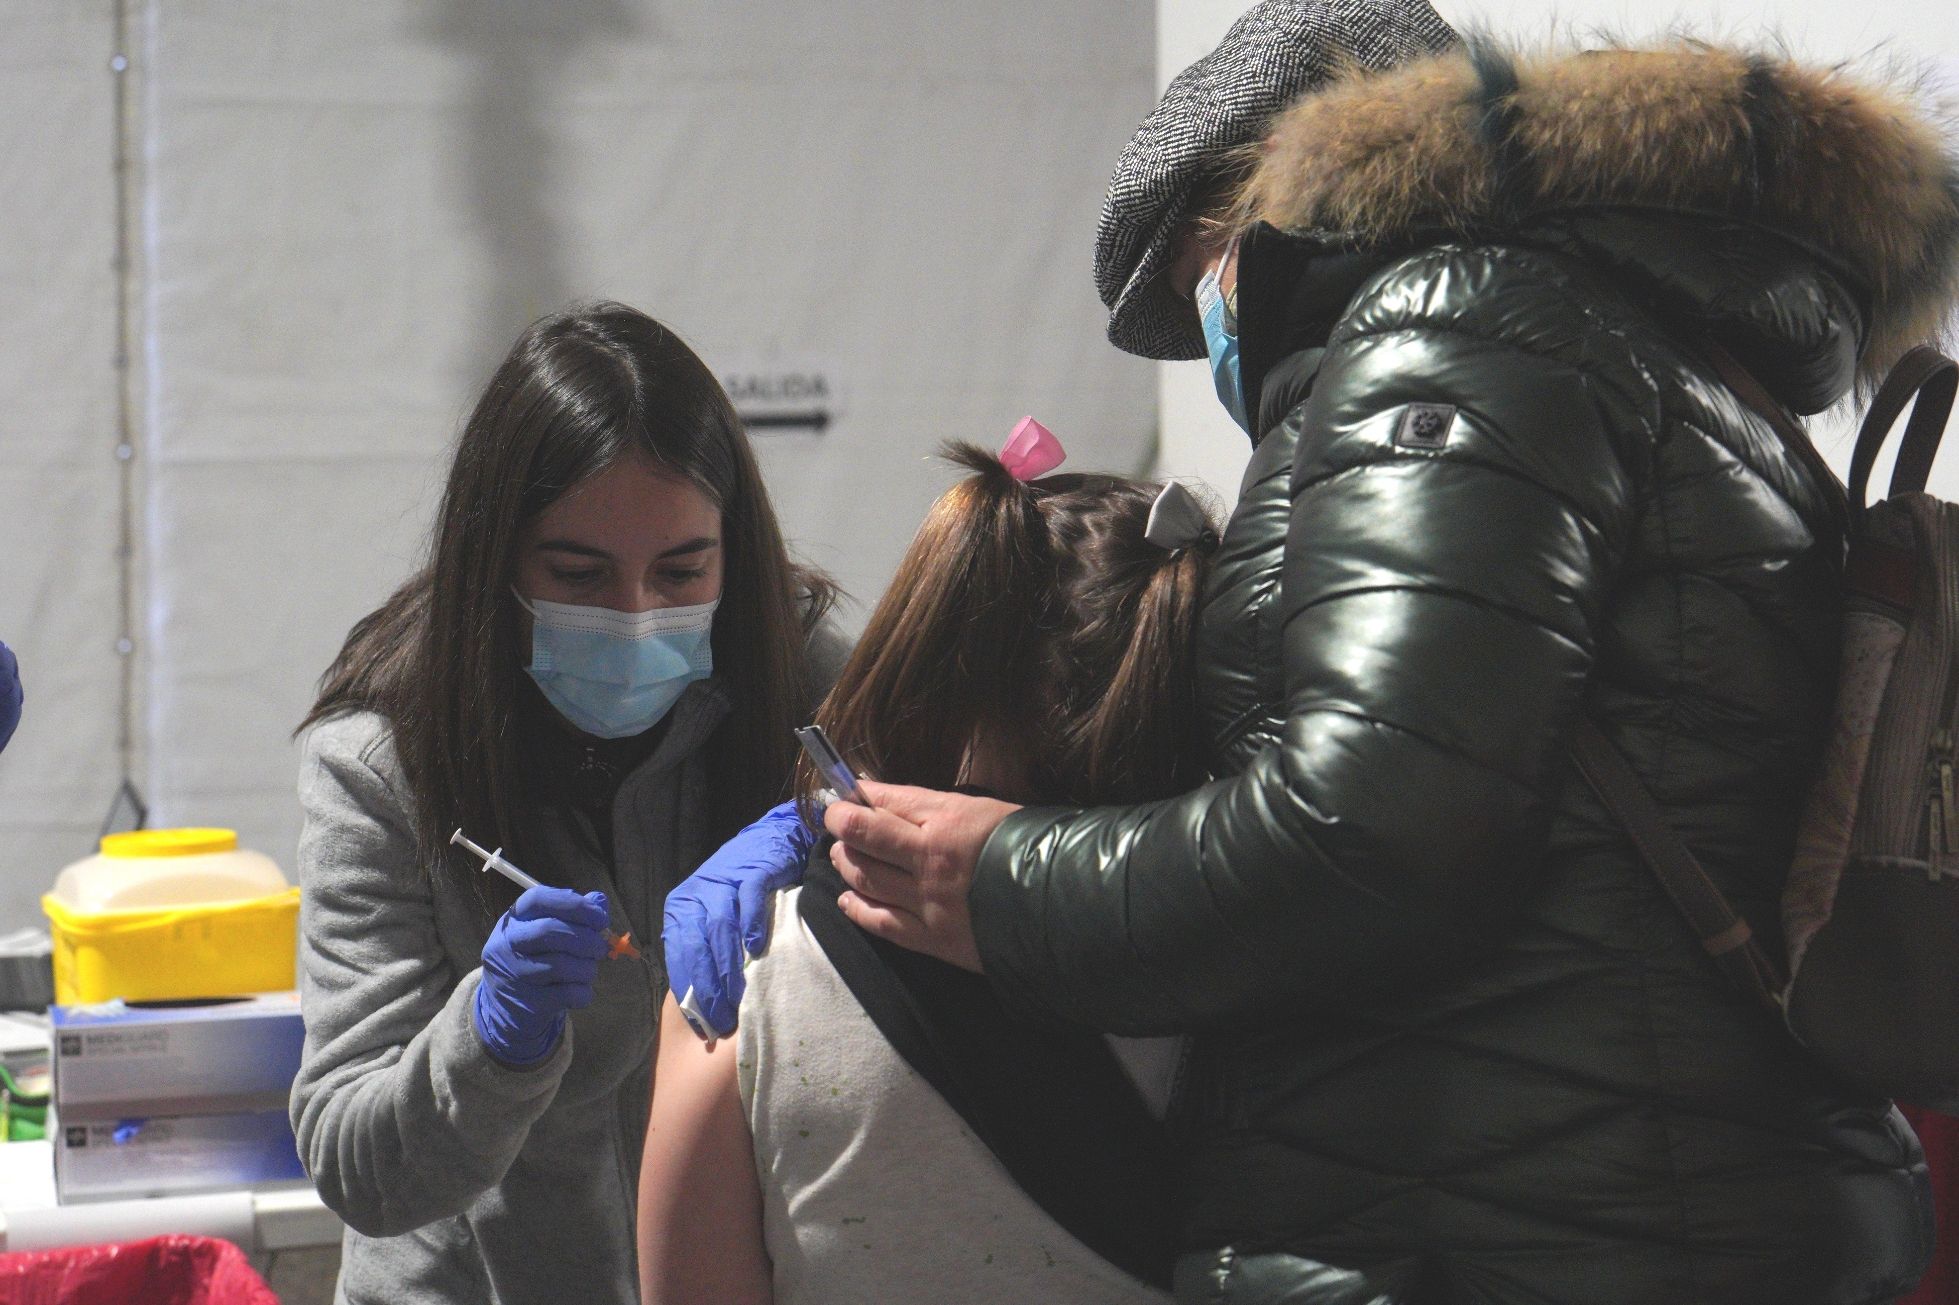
(1031, 451)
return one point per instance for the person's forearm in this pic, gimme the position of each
(1204, 910)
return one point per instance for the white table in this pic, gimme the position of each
(266, 1219)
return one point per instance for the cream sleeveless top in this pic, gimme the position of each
(873, 1188)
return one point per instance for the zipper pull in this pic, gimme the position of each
(1935, 843)
(1942, 793)
(1948, 809)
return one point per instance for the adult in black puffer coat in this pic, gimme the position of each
(1455, 1045)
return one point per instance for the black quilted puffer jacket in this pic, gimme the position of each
(1451, 1038)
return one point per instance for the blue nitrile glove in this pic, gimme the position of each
(539, 963)
(9, 694)
(724, 906)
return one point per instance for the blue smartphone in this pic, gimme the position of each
(830, 763)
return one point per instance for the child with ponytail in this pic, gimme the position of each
(880, 1127)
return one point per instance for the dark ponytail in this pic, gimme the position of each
(945, 654)
(1124, 718)
(1133, 737)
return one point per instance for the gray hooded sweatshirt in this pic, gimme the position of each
(461, 1179)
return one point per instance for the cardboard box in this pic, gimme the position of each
(116, 1061)
(163, 1156)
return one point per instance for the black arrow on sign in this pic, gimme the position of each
(818, 421)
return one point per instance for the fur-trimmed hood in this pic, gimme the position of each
(1476, 140)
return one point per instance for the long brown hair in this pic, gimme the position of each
(1037, 618)
(441, 659)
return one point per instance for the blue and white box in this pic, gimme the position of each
(112, 1160)
(116, 1061)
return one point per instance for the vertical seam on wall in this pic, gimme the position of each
(121, 69)
(144, 222)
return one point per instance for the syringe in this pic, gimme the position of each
(622, 943)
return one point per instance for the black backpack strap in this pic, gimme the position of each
(1722, 931)
(1051, 1102)
(1932, 379)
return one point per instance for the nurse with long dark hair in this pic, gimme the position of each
(598, 672)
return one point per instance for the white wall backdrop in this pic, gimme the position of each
(1200, 441)
(60, 604)
(345, 212)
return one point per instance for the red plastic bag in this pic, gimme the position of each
(175, 1270)
(1940, 1136)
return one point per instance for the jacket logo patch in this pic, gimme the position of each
(1425, 426)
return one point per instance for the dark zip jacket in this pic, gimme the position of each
(1450, 1033)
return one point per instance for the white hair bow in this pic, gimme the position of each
(1177, 519)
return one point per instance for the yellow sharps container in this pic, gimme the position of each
(167, 913)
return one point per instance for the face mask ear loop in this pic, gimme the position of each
(1221, 345)
(1230, 301)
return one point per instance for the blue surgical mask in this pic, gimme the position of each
(1221, 343)
(616, 674)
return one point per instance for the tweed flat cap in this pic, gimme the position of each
(1277, 51)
